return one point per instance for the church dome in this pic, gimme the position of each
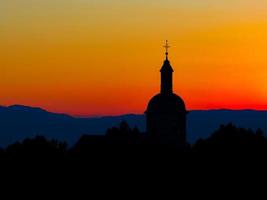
(166, 103)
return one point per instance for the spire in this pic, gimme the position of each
(166, 73)
(166, 46)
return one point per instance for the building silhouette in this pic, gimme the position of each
(166, 112)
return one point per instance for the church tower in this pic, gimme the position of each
(166, 74)
(166, 112)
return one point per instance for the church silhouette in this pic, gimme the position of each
(166, 111)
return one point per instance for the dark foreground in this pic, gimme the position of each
(124, 148)
(125, 158)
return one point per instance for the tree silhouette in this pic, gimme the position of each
(232, 142)
(123, 131)
(38, 148)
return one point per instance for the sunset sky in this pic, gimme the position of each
(102, 57)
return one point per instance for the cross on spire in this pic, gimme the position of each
(166, 46)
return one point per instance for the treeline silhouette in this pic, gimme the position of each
(121, 144)
(127, 160)
(126, 154)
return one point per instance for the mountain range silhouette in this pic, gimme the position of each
(18, 122)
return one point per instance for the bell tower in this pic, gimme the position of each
(166, 74)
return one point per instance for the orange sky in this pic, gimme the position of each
(102, 57)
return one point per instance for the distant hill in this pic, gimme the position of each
(203, 123)
(18, 122)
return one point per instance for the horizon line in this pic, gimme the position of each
(123, 114)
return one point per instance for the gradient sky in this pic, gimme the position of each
(102, 57)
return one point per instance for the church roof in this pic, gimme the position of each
(166, 103)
